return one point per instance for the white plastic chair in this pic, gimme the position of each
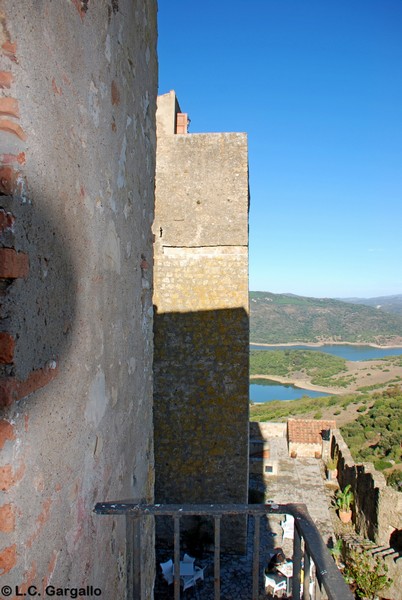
(276, 582)
(199, 573)
(188, 582)
(167, 571)
(288, 526)
(188, 558)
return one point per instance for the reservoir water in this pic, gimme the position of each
(265, 390)
(344, 351)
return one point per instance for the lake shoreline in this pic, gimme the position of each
(298, 383)
(320, 344)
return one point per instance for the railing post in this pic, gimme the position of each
(133, 557)
(317, 589)
(296, 563)
(217, 558)
(256, 557)
(176, 580)
(306, 580)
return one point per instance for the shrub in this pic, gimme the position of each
(369, 574)
(394, 480)
(367, 455)
(380, 465)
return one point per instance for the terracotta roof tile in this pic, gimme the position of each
(305, 431)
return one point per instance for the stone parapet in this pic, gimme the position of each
(378, 507)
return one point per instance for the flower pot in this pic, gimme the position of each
(332, 474)
(345, 515)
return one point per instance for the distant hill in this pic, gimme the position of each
(287, 318)
(389, 304)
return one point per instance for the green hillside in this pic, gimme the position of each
(389, 304)
(322, 369)
(286, 318)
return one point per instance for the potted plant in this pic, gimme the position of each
(367, 574)
(344, 499)
(331, 468)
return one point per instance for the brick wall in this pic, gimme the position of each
(77, 157)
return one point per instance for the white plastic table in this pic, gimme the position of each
(186, 569)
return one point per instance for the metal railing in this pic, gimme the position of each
(308, 546)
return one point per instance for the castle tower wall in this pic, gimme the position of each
(201, 315)
(78, 84)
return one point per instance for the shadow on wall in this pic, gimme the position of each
(201, 407)
(38, 289)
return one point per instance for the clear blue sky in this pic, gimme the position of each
(317, 86)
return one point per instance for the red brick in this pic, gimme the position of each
(8, 478)
(7, 518)
(8, 391)
(7, 347)
(6, 220)
(12, 127)
(57, 90)
(10, 50)
(8, 180)
(6, 432)
(11, 389)
(13, 264)
(6, 79)
(8, 159)
(40, 522)
(8, 559)
(81, 6)
(115, 94)
(9, 107)
(181, 122)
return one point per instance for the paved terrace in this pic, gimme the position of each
(298, 480)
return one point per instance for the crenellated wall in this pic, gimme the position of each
(378, 508)
(78, 87)
(377, 511)
(201, 314)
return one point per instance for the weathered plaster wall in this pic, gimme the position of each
(263, 431)
(78, 89)
(201, 315)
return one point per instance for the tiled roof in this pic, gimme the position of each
(304, 431)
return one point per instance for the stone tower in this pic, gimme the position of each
(201, 322)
